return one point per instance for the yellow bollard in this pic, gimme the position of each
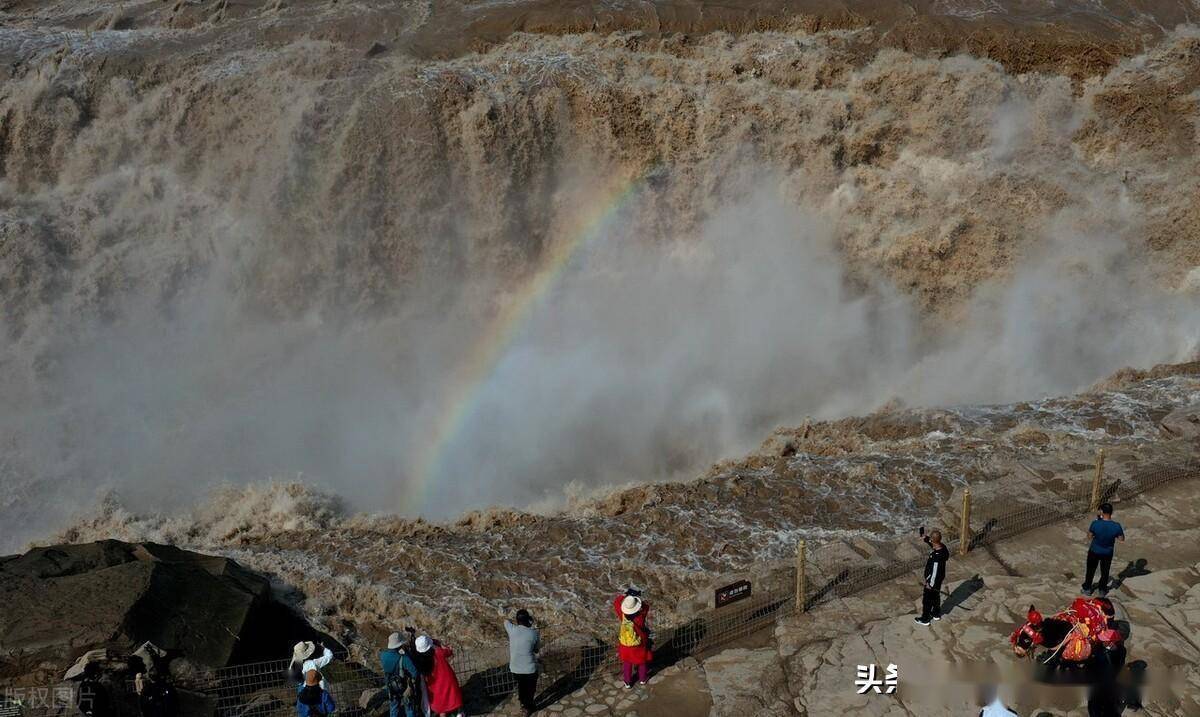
(801, 588)
(964, 528)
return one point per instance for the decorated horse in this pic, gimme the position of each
(1072, 637)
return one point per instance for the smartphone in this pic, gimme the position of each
(921, 530)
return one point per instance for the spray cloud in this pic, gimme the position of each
(179, 315)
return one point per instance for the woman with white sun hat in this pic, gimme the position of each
(633, 635)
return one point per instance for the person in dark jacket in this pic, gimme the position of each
(935, 573)
(313, 700)
(92, 697)
(156, 698)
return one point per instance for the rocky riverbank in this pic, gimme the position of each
(1022, 455)
(807, 665)
(862, 481)
(201, 611)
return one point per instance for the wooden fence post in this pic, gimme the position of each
(1096, 480)
(801, 588)
(964, 529)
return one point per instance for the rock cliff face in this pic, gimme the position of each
(61, 601)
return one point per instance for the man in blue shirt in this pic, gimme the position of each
(1103, 533)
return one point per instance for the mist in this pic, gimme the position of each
(642, 362)
(195, 296)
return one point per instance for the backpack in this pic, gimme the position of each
(401, 687)
(628, 635)
(312, 697)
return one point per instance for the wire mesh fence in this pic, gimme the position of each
(264, 689)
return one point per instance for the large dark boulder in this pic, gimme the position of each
(63, 600)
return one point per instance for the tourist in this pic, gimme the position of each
(523, 645)
(935, 573)
(155, 696)
(92, 697)
(445, 694)
(421, 653)
(312, 699)
(633, 635)
(303, 661)
(1103, 534)
(402, 681)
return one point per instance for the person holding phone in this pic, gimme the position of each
(633, 636)
(935, 573)
(524, 642)
(1103, 534)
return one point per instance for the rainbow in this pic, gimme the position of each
(492, 345)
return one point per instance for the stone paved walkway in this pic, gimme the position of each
(680, 690)
(805, 664)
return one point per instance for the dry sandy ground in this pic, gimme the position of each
(807, 665)
(819, 654)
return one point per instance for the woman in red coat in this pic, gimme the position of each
(633, 636)
(445, 694)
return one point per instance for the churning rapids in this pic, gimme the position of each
(274, 271)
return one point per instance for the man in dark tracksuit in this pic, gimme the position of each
(935, 573)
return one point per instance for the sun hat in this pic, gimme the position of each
(395, 642)
(424, 643)
(631, 605)
(302, 650)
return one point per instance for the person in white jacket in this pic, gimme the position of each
(303, 660)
